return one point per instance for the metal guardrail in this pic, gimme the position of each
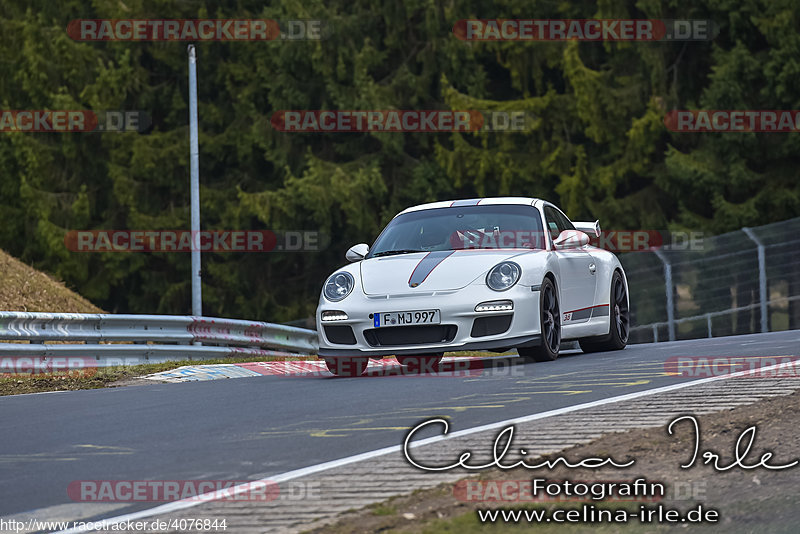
(112, 339)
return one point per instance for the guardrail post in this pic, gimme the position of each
(762, 276)
(669, 290)
(708, 323)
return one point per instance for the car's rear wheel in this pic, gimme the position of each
(347, 366)
(550, 326)
(421, 362)
(619, 329)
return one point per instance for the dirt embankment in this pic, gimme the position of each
(23, 288)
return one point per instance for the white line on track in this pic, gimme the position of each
(312, 469)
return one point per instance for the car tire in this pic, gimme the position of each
(619, 320)
(421, 363)
(549, 324)
(347, 367)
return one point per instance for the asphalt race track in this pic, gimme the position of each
(252, 428)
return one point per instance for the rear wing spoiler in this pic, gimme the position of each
(591, 228)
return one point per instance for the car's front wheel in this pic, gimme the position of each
(347, 366)
(550, 326)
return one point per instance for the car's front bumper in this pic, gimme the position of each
(458, 315)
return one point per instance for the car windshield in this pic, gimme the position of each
(499, 226)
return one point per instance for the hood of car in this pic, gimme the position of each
(431, 271)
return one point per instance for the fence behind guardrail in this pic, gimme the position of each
(736, 283)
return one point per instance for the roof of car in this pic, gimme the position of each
(527, 201)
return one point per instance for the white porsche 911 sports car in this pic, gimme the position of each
(481, 274)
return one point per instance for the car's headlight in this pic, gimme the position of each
(503, 276)
(338, 286)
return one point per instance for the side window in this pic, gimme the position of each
(554, 225)
(557, 222)
(564, 223)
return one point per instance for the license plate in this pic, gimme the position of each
(406, 318)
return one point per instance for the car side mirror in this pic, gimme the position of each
(357, 252)
(571, 239)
